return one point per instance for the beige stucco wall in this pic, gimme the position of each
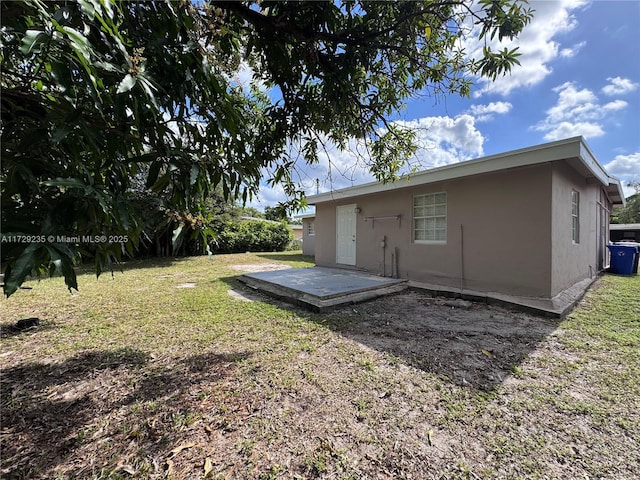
(498, 233)
(308, 241)
(573, 262)
(297, 232)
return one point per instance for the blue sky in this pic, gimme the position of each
(579, 75)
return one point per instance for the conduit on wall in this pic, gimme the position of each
(384, 217)
(462, 279)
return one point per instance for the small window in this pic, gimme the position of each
(311, 228)
(430, 218)
(575, 216)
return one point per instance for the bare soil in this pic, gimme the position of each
(472, 344)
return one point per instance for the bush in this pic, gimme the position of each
(253, 236)
(294, 246)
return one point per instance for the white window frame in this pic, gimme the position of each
(311, 228)
(428, 207)
(575, 217)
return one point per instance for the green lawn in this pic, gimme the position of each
(158, 372)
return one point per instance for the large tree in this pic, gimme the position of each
(630, 213)
(98, 95)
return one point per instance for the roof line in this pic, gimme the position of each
(574, 147)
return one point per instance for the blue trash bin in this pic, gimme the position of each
(623, 258)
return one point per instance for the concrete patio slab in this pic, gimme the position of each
(320, 288)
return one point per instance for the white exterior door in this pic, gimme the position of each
(346, 234)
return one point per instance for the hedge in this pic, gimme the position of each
(253, 236)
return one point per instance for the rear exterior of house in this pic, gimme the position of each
(528, 223)
(308, 234)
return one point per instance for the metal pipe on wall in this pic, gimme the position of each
(383, 244)
(395, 269)
(462, 279)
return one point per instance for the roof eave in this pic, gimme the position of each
(569, 148)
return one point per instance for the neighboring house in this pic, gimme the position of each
(619, 232)
(308, 233)
(297, 231)
(528, 223)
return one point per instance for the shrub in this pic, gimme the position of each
(294, 246)
(253, 236)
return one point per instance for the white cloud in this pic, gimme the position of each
(441, 140)
(619, 86)
(536, 46)
(446, 140)
(245, 78)
(625, 165)
(576, 112)
(615, 105)
(627, 169)
(484, 113)
(573, 51)
(568, 129)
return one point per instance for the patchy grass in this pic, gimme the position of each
(144, 375)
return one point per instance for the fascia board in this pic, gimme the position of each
(588, 159)
(545, 153)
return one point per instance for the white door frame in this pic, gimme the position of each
(346, 219)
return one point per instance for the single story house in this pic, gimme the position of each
(297, 231)
(308, 233)
(529, 223)
(619, 232)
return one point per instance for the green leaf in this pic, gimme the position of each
(79, 43)
(64, 182)
(126, 84)
(31, 39)
(148, 88)
(87, 7)
(154, 170)
(16, 274)
(60, 133)
(62, 258)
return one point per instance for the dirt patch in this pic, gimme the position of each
(260, 267)
(469, 343)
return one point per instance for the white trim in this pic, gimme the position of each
(575, 217)
(549, 152)
(624, 226)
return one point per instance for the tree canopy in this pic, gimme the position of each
(100, 98)
(630, 213)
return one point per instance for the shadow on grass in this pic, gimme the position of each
(51, 411)
(9, 330)
(283, 257)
